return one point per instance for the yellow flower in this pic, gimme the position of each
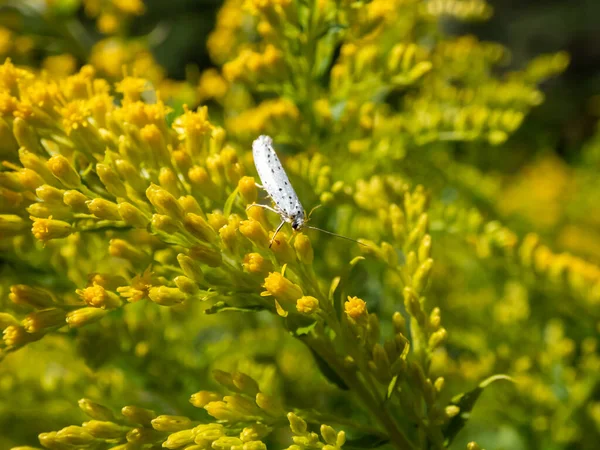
(255, 263)
(355, 307)
(307, 304)
(47, 229)
(75, 115)
(281, 288)
(98, 297)
(140, 286)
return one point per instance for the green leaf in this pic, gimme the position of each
(466, 401)
(229, 203)
(301, 331)
(391, 387)
(222, 306)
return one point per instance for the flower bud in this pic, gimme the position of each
(190, 268)
(424, 251)
(164, 202)
(111, 180)
(132, 215)
(421, 277)
(202, 398)
(437, 338)
(329, 434)
(140, 436)
(171, 423)
(179, 439)
(137, 415)
(73, 435)
(76, 201)
(473, 446)
(199, 228)
(439, 384)
(21, 294)
(216, 220)
(245, 383)
(399, 323)
(37, 165)
(297, 424)
(62, 169)
(200, 180)
(50, 194)
(95, 410)
(120, 248)
(207, 433)
(104, 209)
(185, 285)
(164, 224)
(130, 175)
(229, 236)
(451, 411)
(168, 180)
(247, 187)
(30, 179)
(227, 443)
(281, 288)
(269, 404)
(41, 320)
(280, 247)
(84, 316)
(255, 263)
(49, 211)
(254, 432)
(206, 255)
(254, 231)
(47, 229)
(307, 304)
(190, 205)
(166, 296)
(105, 429)
(221, 411)
(98, 297)
(304, 249)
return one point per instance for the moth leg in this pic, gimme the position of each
(260, 186)
(262, 206)
(276, 231)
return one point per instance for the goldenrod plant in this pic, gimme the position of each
(142, 305)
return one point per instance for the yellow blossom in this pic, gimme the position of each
(307, 304)
(281, 288)
(355, 307)
(98, 297)
(255, 263)
(47, 229)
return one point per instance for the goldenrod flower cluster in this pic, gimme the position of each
(137, 269)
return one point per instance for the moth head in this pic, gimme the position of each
(298, 221)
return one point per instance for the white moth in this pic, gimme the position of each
(277, 184)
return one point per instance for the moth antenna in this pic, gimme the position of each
(312, 211)
(336, 235)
